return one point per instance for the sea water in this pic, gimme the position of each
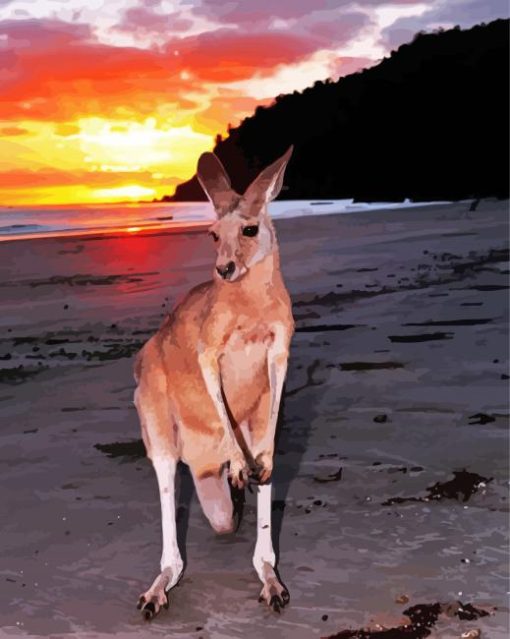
(46, 221)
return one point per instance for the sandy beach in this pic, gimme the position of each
(391, 478)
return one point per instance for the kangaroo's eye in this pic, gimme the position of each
(214, 236)
(251, 231)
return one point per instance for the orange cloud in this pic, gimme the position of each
(53, 177)
(11, 131)
(53, 70)
(83, 115)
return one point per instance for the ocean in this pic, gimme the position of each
(21, 223)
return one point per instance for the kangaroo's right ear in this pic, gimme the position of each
(216, 183)
(269, 183)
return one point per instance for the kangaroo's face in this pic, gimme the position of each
(243, 233)
(241, 241)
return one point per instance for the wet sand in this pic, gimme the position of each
(391, 478)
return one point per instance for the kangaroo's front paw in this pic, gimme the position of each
(238, 471)
(263, 467)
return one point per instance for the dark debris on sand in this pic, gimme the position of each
(464, 483)
(481, 418)
(19, 374)
(131, 450)
(91, 280)
(114, 351)
(370, 366)
(422, 337)
(422, 617)
(443, 268)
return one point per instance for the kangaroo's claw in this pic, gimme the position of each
(238, 471)
(262, 468)
(275, 595)
(150, 605)
(151, 601)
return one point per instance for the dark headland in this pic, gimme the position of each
(429, 123)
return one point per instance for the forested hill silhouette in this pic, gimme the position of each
(429, 122)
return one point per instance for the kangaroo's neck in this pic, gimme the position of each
(264, 274)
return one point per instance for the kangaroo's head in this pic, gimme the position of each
(243, 233)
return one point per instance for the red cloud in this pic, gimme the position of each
(54, 70)
(51, 69)
(227, 55)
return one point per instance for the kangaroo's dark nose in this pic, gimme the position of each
(226, 270)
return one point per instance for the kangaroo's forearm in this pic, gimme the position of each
(277, 373)
(211, 373)
(277, 359)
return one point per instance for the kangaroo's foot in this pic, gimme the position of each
(273, 592)
(151, 601)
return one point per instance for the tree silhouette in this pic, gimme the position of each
(429, 122)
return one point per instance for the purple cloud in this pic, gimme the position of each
(144, 21)
(464, 13)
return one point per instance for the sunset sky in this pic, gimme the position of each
(108, 100)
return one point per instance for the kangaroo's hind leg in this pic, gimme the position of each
(215, 498)
(273, 592)
(153, 410)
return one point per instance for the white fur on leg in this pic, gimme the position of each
(171, 560)
(264, 553)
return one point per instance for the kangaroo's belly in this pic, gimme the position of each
(244, 375)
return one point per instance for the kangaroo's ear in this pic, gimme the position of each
(269, 183)
(216, 183)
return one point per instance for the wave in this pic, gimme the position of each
(29, 223)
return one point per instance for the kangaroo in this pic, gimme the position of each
(209, 382)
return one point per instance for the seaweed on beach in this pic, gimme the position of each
(422, 617)
(459, 267)
(114, 351)
(463, 484)
(94, 280)
(131, 450)
(481, 418)
(82, 279)
(422, 337)
(19, 374)
(322, 328)
(370, 366)
(455, 322)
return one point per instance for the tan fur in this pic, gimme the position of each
(237, 321)
(209, 382)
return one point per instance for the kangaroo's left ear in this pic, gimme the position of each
(216, 183)
(269, 183)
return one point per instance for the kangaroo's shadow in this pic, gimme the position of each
(291, 443)
(184, 496)
(292, 436)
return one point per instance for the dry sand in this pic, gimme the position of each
(398, 376)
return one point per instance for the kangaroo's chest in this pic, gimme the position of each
(250, 334)
(245, 352)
